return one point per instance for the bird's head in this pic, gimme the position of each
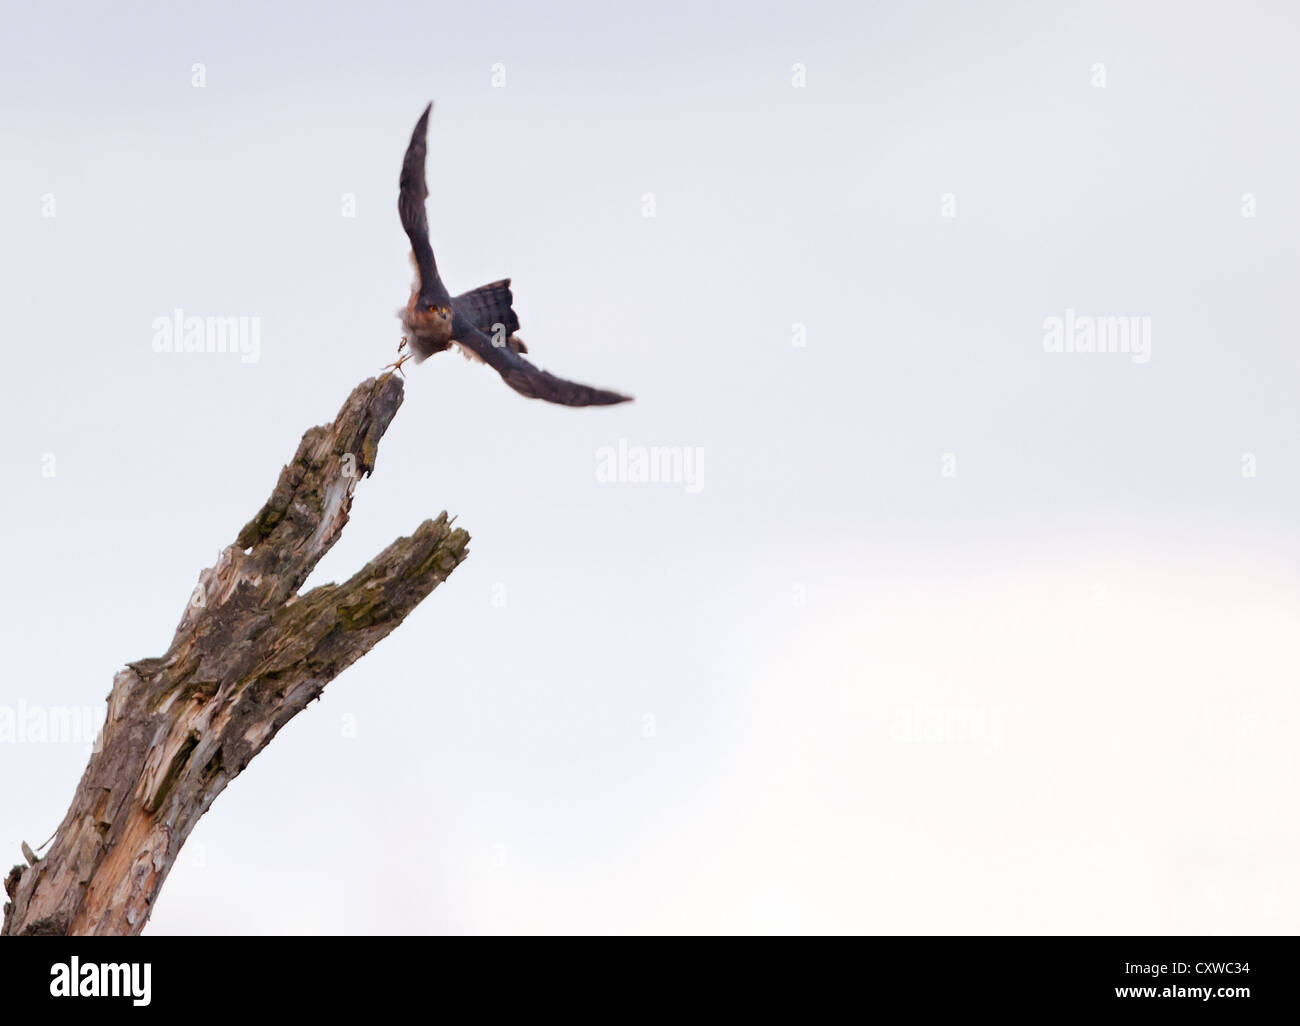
(428, 315)
(434, 312)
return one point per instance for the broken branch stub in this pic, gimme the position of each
(248, 655)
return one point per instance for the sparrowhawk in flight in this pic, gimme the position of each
(481, 322)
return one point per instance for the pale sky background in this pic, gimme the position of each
(1054, 693)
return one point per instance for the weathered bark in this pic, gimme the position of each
(248, 656)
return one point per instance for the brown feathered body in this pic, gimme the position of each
(427, 331)
(490, 308)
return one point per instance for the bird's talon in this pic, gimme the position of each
(397, 364)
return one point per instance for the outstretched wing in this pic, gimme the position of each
(491, 309)
(524, 377)
(412, 192)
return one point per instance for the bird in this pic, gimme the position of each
(481, 323)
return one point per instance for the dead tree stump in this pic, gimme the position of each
(247, 657)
